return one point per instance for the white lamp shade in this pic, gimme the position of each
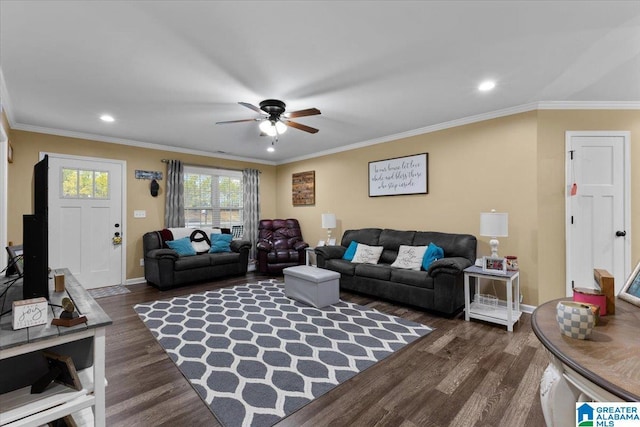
(328, 220)
(272, 129)
(494, 224)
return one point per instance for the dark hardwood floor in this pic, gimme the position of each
(462, 374)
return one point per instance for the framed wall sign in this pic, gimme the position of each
(631, 290)
(303, 188)
(399, 176)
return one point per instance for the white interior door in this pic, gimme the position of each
(85, 214)
(598, 234)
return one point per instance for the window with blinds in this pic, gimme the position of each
(212, 197)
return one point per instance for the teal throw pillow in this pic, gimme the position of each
(432, 253)
(351, 251)
(220, 243)
(182, 246)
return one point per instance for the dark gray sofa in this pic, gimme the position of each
(165, 269)
(440, 289)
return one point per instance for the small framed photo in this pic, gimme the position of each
(320, 243)
(631, 290)
(494, 265)
(332, 242)
(67, 370)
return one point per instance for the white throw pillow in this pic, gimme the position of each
(410, 257)
(367, 254)
(200, 247)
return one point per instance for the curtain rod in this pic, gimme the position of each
(208, 166)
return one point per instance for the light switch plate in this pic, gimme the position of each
(140, 214)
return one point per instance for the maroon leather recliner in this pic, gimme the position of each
(280, 245)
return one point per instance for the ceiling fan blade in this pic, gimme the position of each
(300, 126)
(238, 121)
(251, 107)
(302, 113)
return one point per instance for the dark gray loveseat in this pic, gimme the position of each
(441, 288)
(165, 269)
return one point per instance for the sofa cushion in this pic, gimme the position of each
(341, 266)
(368, 236)
(377, 271)
(463, 245)
(189, 263)
(433, 253)
(220, 243)
(367, 254)
(420, 279)
(392, 240)
(221, 258)
(182, 246)
(351, 251)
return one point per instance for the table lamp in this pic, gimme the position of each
(494, 224)
(328, 222)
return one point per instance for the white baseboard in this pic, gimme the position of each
(135, 281)
(527, 308)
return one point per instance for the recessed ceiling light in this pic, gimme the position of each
(271, 149)
(107, 118)
(486, 85)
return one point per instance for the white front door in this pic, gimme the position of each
(598, 234)
(85, 214)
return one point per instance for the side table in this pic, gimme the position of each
(505, 312)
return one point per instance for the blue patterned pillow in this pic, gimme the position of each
(220, 243)
(433, 253)
(351, 251)
(182, 246)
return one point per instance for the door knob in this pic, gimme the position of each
(621, 233)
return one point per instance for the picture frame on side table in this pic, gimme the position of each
(494, 265)
(631, 290)
(321, 243)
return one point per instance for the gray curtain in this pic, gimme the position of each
(251, 211)
(174, 203)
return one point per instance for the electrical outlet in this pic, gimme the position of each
(141, 262)
(139, 214)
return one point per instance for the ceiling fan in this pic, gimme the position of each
(273, 121)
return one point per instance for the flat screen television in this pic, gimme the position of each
(35, 235)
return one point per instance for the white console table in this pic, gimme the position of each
(602, 368)
(505, 312)
(20, 407)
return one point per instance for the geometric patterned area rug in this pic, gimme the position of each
(255, 356)
(108, 291)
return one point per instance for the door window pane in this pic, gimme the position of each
(84, 184)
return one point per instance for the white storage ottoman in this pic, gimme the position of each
(311, 285)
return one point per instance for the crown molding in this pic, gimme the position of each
(134, 143)
(589, 105)
(420, 131)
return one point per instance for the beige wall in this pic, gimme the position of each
(28, 145)
(472, 169)
(513, 164)
(552, 125)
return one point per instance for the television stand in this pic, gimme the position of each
(21, 408)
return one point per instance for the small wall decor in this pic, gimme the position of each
(148, 174)
(303, 192)
(9, 152)
(399, 176)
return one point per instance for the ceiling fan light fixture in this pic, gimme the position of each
(272, 128)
